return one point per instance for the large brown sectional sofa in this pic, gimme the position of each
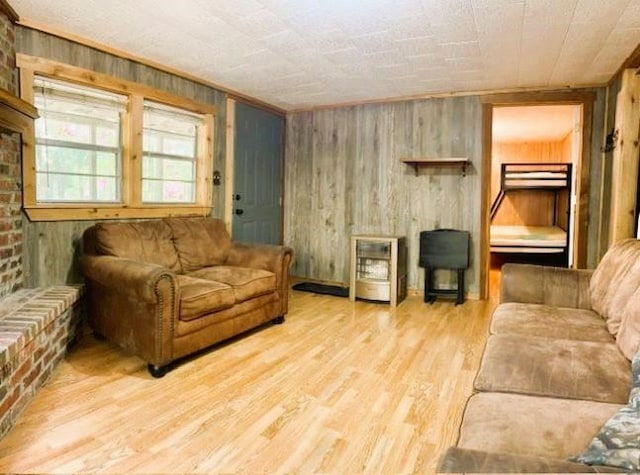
(556, 368)
(163, 289)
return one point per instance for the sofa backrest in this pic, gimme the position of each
(147, 241)
(200, 242)
(614, 282)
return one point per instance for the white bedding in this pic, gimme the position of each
(535, 179)
(541, 239)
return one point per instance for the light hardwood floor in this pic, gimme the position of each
(341, 387)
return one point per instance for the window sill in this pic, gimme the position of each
(83, 213)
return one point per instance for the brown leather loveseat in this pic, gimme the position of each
(166, 288)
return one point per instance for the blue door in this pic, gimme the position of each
(258, 152)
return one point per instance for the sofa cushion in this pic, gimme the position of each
(531, 426)
(616, 444)
(200, 242)
(544, 320)
(146, 241)
(246, 283)
(199, 297)
(555, 368)
(628, 337)
(615, 279)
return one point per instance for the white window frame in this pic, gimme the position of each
(131, 204)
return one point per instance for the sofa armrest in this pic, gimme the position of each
(133, 304)
(556, 286)
(134, 278)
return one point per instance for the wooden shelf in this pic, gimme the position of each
(437, 162)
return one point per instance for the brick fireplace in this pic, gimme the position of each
(36, 325)
(10, 172)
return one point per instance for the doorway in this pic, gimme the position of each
(565, 208)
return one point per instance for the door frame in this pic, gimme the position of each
(229, 176)
(229, 162)
(585, 99)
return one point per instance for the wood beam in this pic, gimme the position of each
(625, 159)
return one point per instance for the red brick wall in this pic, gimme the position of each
(10, 176)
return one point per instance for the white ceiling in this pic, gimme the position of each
(533, 123)
(302, 53)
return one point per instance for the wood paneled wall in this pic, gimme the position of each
(625, 165)
(535, 208)
(342, 173)
(343, 176)
(605, 172)
(51, 249)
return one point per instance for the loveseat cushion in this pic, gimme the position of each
(615, 279)
(246, 283)
(531, 426)
(544, 320)
(200, 242)
(199, 297)
(555, 368)
(146, 241)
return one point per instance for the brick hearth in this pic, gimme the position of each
(36, 327)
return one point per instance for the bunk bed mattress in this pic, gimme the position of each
(540, 239)
(539, 179)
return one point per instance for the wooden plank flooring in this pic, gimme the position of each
(341, 387)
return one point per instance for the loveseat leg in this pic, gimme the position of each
(157, 371)
(278, 320)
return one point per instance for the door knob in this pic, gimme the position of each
(239, 211)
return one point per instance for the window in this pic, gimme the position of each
(107, 148)
(169, 148)
(78, 143)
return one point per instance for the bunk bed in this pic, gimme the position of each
(545, 177)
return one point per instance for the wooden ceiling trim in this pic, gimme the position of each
(632, 62)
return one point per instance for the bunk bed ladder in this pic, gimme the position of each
(497, 202)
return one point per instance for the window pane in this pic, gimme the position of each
(159, 167)
(106, 189)
(165, 191)
(71, 160)
(77, 129)
(106, 164)
(74, 188)
(169, 144)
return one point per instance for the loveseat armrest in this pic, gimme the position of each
(133, 304)
(556, 286)
(133, 278)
